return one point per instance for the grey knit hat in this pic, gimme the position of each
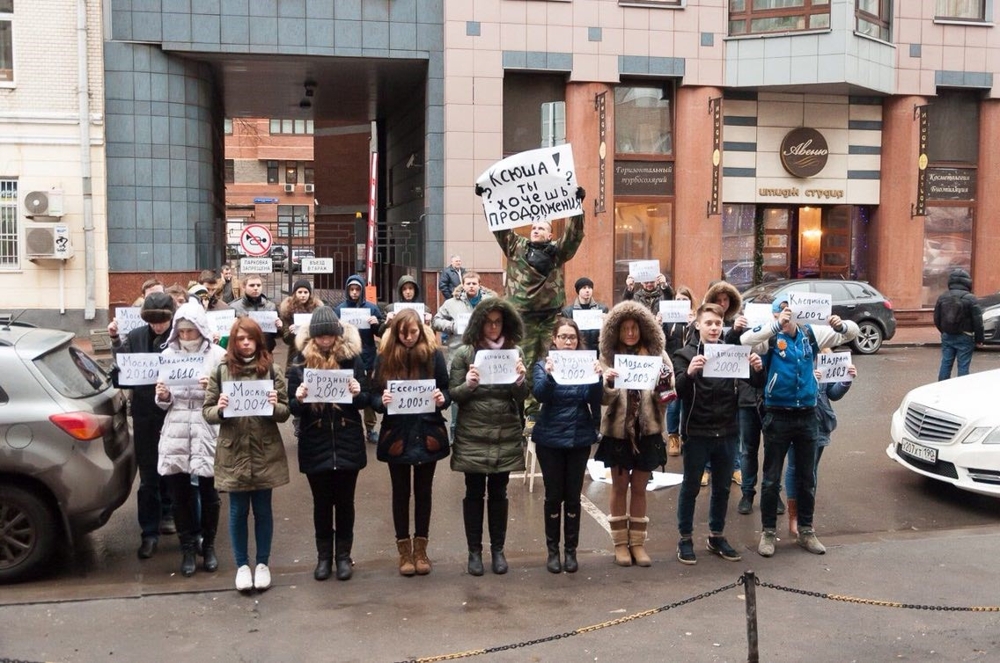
(324, 322)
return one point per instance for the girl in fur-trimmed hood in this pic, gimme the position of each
(331, 436)
(632, 443)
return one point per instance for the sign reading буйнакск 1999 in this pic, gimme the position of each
(804, 152)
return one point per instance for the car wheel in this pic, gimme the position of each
(27, 533)
(869, 338)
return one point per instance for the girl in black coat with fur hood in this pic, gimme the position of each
(331, 435)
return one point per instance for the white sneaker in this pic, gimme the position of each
(261, 577)
(244, 578)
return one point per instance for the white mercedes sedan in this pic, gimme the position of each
(950, 431)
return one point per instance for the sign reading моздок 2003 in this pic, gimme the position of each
(804, 152)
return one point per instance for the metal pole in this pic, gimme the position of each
(750, 590)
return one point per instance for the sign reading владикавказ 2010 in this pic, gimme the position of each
(537, 185)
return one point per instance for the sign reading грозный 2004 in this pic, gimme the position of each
(644, 178)
(804, 152)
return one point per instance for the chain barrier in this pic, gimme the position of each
(663, 608)
(579, 631)
(876, 602)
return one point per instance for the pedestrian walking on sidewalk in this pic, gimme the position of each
(959, 318)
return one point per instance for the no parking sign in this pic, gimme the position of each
(255, 240)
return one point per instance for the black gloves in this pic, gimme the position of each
(580, 193)
(480, 190)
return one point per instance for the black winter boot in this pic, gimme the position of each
(209, 528)
(571, 527)
(324, 558)
(189, 559)
(553, 525)
(344, 562)
(497, 510)
(472, 512)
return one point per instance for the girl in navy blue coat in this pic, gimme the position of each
(564, 431)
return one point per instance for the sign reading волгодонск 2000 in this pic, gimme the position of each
(537, 185)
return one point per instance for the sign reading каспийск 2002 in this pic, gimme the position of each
(804, 152)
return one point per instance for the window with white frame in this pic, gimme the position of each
(290, 126)
(6, 41)
(9, 253)
(970, 10)
(874, 18)
(747, 17)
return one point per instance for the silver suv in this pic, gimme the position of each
(66, 457)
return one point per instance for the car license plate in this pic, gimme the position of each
(918, 451)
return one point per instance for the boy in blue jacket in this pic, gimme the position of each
(354, 297)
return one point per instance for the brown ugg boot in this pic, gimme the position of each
(793, 516)
(420, 561)
(405, 548)
(619, 536)
(637, 541)
(674, 444)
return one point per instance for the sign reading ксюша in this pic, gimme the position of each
(537, 185)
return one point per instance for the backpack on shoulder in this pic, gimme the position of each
(952, 314)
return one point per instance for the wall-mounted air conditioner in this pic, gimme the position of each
(289, 188)
(47, 240)
(44, 204)
(310, 188)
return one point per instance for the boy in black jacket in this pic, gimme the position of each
(710, 431)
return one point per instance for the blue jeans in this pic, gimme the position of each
(956, 346)
(263, 524)
(698, 452)
(674, 416)
(784, 430)
(749, 449)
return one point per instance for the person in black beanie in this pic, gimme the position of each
(585, 301)
(302, 300)
(152, 502)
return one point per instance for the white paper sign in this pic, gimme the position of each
(128, 319)
(833, 367)
(411, 396)
(248, 398)
(497, 366)
(317, 265)
(462, 322)
(637, 371)
(356, 316)
(256, 266)
(301, 319)
(574, 366)
(327, 386)
(644, 270)
(265, 319)
(402, 306)
(809, 306)
(138, 368)
(537, 185)
(757, 314)
(726, 361)
(588, 319)
(675, 310)
(184, 369)
(221, 321)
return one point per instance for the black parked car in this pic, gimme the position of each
(852, 300)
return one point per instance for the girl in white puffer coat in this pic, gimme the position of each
(187, 441)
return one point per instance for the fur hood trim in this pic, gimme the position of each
(735, 299)
(513, 326)
(345, 347)
(651, 333)
(290, 306)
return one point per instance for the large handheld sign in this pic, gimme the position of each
(537, 185)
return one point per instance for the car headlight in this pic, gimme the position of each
(983, 435)
(991, 313)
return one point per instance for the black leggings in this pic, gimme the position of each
(562, 472)
(423, 481)
(186, 499)
(478, 485)
(333, 488)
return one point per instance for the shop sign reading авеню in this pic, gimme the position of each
(804, 152)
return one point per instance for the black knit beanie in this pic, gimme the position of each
(324, 322)
(302, 283)
(583, 282)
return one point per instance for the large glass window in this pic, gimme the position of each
(6, 41)
(738, 245)
(230, 171)
(974, 10)
(291, 172)
(293, 221)
(953, 131)
(290, 126)
(947, 246)
(524, 98)
(643, 120)
(759, 16)
(643, 231)
(9, 254)
(272, 172)
(874, 18)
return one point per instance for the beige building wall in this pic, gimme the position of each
(40, 148)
